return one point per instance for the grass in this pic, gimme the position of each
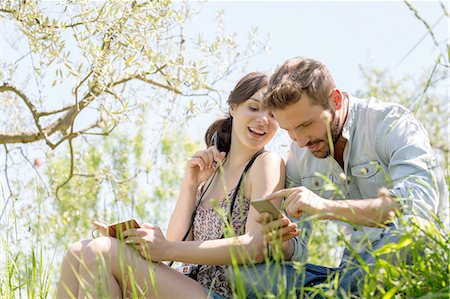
(31, 272)
(30, 262)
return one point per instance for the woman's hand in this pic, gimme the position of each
(277, 231)
(202, 164)
(149, 241)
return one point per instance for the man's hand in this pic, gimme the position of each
(300, 200)
(277, 231)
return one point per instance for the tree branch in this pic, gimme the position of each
(70, 170)
(61, 124)
(73, 135)
(34, 167)
(11, 194)
(56, 111)
(8, 87)
(110, 178)
(96, 88)
(54, 26)
(158, 84)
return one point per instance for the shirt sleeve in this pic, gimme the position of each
(301, 242)
(293, 179)
(416, 179)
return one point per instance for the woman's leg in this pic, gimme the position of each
(113, 269)
(68, 284)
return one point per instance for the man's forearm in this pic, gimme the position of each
(372, 212)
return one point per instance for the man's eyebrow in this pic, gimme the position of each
(298, 126)
(304, 123)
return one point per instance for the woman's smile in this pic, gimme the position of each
(256, 132)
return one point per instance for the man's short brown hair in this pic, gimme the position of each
(297, 76)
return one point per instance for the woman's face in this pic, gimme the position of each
(253, 127)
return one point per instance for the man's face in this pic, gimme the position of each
(306, 126)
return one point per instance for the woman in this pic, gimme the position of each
(196, 229)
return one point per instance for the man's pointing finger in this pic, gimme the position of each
(279, 194)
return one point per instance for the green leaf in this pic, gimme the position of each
(390, 293)
(129, 60)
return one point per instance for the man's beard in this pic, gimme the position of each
(334, 127)
(335, 133)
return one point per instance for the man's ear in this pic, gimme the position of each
(336, 98)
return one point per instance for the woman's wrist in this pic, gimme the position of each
(172, 250)
(289, 249)
(188, 185)
(168, 256)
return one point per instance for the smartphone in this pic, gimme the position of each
(115, 230)
(266, 206)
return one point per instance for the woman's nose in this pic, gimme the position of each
(263, 119)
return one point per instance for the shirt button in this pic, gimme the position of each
(316, 183)
(365, 170)
(355, 229)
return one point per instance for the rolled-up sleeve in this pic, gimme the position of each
(301, 242)
(416, 179)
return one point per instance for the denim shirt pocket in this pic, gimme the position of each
(316, 184)
(369, 178)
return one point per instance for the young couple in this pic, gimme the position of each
(356, 143)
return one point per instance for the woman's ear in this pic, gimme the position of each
(232, 110)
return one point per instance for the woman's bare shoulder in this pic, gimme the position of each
(269, 157)
(266, 175)
(268, 161)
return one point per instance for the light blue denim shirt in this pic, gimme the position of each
(386, 147)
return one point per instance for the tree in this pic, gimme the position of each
(104, 56)
(95, 98)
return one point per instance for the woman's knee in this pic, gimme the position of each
(76, 249)
(99, 247)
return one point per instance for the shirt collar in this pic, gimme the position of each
(349, 126)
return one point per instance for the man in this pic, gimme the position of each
(363, 163)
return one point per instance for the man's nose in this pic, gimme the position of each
(297, 138)
(302, 141)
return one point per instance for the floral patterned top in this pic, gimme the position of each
(209, 225)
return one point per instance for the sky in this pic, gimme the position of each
(344, 35)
